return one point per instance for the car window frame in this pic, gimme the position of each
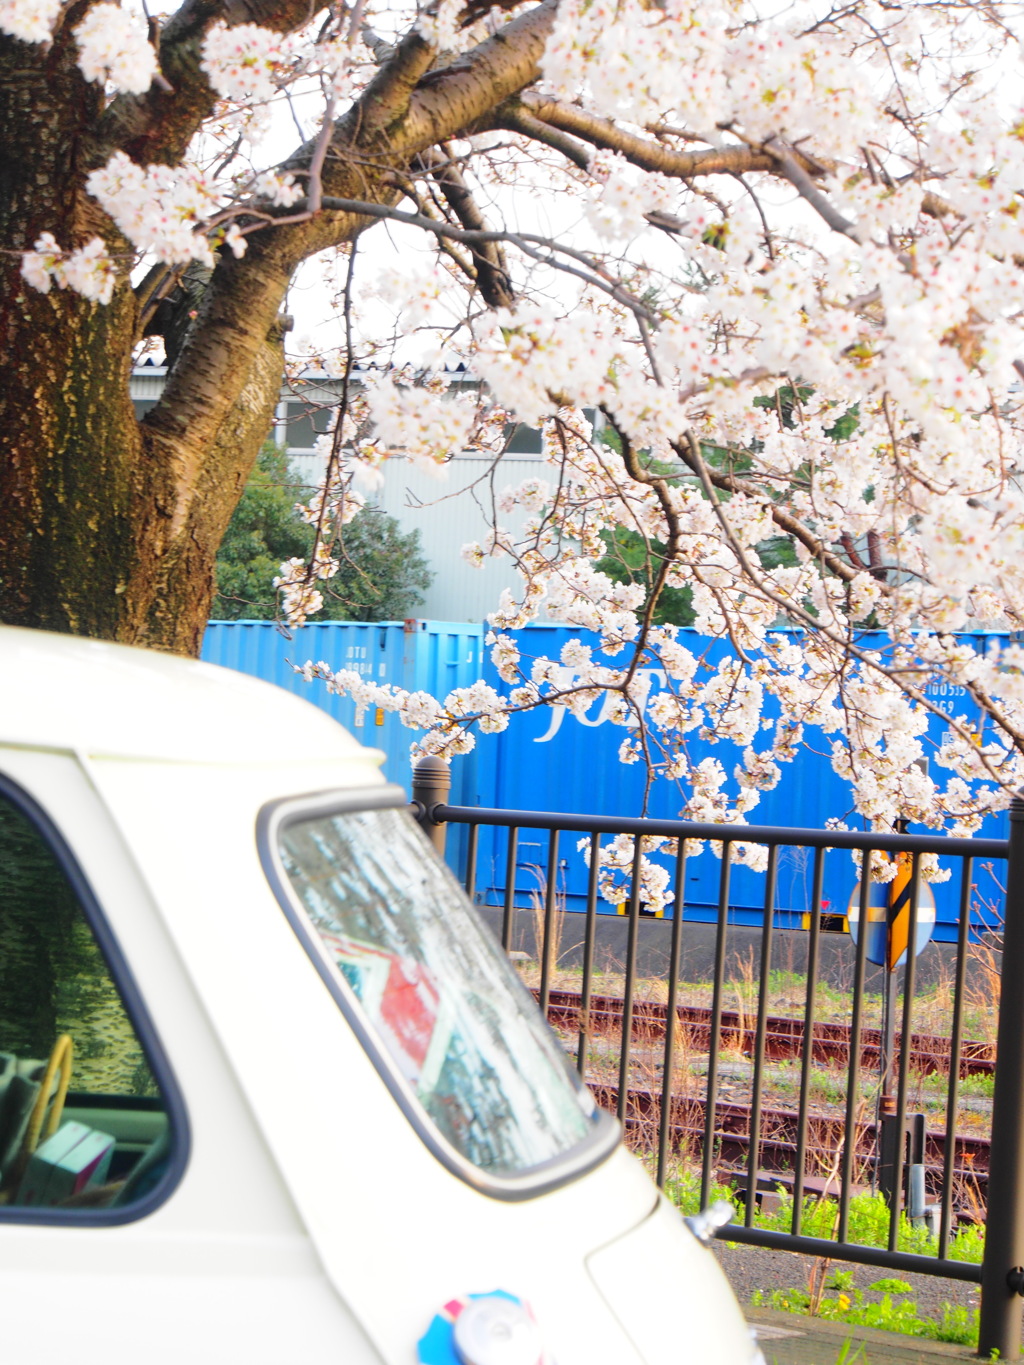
(274, 817)
(138, 1016)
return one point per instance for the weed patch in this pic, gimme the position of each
(895, 1311)
(868, 1222)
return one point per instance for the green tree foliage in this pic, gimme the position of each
(784, 401)
(53, 978)
(264, 530)
(382, 573)
(631, 559)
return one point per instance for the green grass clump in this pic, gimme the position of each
(895, 1311)
(869, 1226)
(868, 1223)
(683, 1189)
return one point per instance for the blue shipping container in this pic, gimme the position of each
(549, 759)
(427, 656)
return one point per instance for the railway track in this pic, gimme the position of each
(784, 1040)
(784, 1037)
(778, 1146)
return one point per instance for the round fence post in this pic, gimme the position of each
(431, 785)
(1002, 1276)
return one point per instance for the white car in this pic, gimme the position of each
(269, 1091)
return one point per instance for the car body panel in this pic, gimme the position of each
(642, 1274)
(308, 1197)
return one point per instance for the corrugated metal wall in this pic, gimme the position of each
(550, 760)
(434, 656)
(448, 512)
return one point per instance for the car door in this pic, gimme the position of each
(140, 1211)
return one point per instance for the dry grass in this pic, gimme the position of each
(551, 943)
(786, 995)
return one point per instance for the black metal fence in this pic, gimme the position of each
(868, 1137)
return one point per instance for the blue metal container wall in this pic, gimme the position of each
(432, 656)
(550, 760)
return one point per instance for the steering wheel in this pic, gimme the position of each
(60, 1060)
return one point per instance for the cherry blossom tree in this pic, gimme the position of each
(777, 251)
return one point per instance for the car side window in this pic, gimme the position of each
(84, 1124)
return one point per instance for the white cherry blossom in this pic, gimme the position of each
(112, 46)
(243, 61)
(774, 256)
(30, 20)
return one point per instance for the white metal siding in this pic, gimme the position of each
(448, 512)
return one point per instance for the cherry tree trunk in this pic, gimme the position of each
(106, 530)
(108, 527)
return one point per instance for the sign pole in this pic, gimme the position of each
(897, 944)
(885, 920)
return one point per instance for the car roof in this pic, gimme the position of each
(70, 694)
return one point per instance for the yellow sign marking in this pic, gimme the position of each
(899, 909)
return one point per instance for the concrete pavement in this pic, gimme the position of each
(789, 1339)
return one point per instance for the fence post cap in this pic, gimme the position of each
(431, 785)
(430, 765)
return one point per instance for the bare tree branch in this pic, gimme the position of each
(488, 257)
(386, 99)
(515, 119)
(792, 609)
(690, 455)
(461, 96)
(315, 188)
(158, 126)
(641, 151)
(791, 169)
(673, 542)
(542, 249)
(400, 115)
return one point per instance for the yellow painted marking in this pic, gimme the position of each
(623, 909)
(899, 909)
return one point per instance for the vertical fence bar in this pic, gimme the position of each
(711, 1090)
(807, 1060)
(906, 1048)
(1002, 1272)
(550, 946)
(589, 934)
(853, 1075)
(955, 1050)
(671, 1016)
(1000, 1324)
(629, 985)
(757, 1082)
(471, 850)
(511, 864)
